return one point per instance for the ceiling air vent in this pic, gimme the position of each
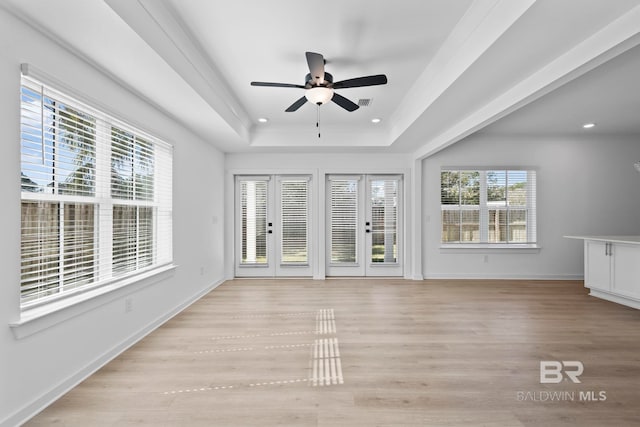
(364, 102)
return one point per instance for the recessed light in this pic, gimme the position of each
(263, 120)
(376, 120)
(588, 125)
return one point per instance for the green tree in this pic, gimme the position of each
(76, 134)
(460, 187)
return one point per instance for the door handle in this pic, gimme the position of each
(608, 249)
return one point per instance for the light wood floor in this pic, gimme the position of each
(432, 353)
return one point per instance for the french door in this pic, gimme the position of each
(364, 223)
(272, 226)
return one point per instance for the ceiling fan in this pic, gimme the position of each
(319, 85)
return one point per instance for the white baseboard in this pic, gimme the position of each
(38, 404)
(472, 276)
(628, 301)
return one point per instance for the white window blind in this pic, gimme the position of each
(96, 196)
(343, 220)
(488, 206)
(384, 216)
(253, 201)
(294, 212)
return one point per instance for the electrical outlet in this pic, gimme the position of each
(486, 259)
(202, 271)
(128, 305)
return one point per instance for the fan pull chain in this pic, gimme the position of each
(318, 119)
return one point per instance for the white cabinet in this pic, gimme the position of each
(612, 270)
(597, 265)
(625, 270)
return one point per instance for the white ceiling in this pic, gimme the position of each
(608, 96)
(454, 67)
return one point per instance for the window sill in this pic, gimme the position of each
(489, 247)
(36, 319)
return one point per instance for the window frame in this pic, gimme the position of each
(484, 208)
(103, 203)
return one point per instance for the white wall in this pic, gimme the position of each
(313, 161)
(317, 165)
(35, 369)
(585, 185)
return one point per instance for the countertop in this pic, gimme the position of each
(634, 240)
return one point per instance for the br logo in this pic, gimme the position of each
(554, 371)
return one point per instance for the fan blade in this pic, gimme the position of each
(276, 84)
(299, 103)
(378, 79)
(344, 102)
(316, 67)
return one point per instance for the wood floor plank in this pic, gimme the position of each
(428, 353)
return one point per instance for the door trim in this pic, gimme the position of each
(397, 268)
(411, 176)
(357, 268)
(274, 267)
(253, 270)
(363, 267)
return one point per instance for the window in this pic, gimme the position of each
(96, 197)
(294, 212)
(488, 206)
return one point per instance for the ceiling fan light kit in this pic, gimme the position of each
(319, 95)
(319, 86)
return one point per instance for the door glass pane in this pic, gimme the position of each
(253, 196)
(384, 225)
(344, 220)
(294, 241)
